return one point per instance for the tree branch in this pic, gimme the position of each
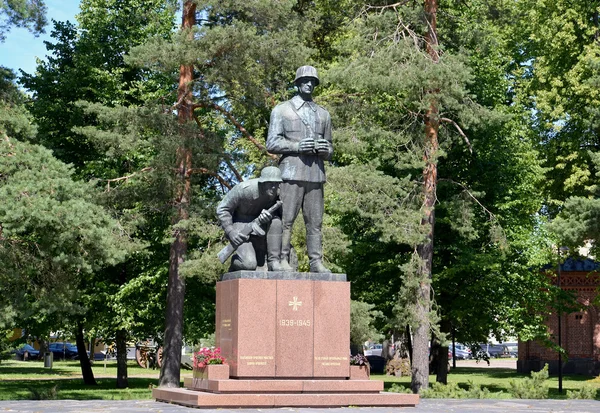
(460, 131)
(235, 171)
(464, 187)
(387, 6)
(125, 178)
(205, 171)
(237, 124)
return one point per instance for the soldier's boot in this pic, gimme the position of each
(286, 245)
(274, 252)
(314, 246)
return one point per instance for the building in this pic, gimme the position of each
(580, 331)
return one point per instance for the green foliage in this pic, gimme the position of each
(15, 121)
(50, 393)
(53, 234)
(535, 387)
(87, 63)
(362, 317)
(586, 392)
(398, 388)
(30, 14)
(453, 391)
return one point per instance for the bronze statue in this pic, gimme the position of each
(247, 213)
(300, 130)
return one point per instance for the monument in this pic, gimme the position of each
(285, 334)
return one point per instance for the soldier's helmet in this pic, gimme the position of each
(270, 174)
(306, 71)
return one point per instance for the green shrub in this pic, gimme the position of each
(444, 391)
(43, 393)
(453, 391)
(477, 392)
(535, 387)
(398, 388)
(587, 392)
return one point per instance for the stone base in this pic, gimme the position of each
(284, 386)
(285, 393)
(280, 328)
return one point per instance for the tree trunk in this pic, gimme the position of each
(442, 365)
(121, 339)
(420, 365)
(442, 359)
(170, 372)
(84, 360)
(409, 344)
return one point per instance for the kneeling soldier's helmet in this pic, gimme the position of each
(270, 174)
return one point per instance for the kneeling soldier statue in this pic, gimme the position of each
(251, 218)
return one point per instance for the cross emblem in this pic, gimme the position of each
(295, 304)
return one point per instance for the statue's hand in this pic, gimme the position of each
(307, 145)
(264, 217)
(237, 238)
(322, 145)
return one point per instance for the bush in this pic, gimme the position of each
(398, 367)
(398, 388)
(535, 387)
(586, 392)
(453, 391)
(43, 393)
(477, 392)
(444, 391)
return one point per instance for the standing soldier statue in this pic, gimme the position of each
(300, 130)
(250, 217)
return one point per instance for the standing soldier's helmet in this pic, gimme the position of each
(306, 71)
(270, 174)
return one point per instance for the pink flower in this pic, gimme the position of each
(208, 356)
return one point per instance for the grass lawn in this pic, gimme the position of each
(30, 380)
(497, 381)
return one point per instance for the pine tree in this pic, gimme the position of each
(410, 104)
(233, 66)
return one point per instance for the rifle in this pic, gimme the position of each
(253, 227)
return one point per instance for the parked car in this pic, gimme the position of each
(462, 352)
(63, 350)
(374, 350)
(27, 352)
(513, 349)
(495, 350)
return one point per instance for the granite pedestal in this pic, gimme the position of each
(286, 338)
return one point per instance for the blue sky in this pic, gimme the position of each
(21, 48)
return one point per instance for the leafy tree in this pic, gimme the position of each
(30, 14)
(362, 317)
(234, 63)
(390, 79)
(556, 46)
(53, 236)
(87, 63)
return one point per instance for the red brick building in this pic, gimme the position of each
(580, 330)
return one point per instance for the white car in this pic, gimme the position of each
(374, 350)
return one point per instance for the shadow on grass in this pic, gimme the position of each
(493, 373)
(21, 371)
(139, 388)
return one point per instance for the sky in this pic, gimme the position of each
(21, 48)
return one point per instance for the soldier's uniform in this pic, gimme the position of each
(240, 207)
(303, 174)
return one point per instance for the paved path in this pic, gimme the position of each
(426, 406)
